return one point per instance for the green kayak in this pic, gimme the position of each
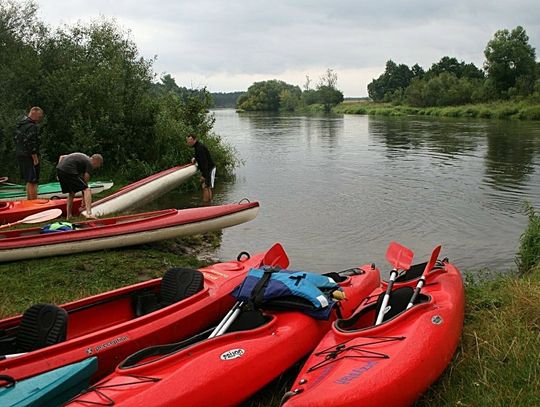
(51, 388)
(52, 190)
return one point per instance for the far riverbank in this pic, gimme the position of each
(496, 110)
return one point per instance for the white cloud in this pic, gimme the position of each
(229, 45)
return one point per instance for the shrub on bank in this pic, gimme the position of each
(528, 256)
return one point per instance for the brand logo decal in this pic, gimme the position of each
(232, 354)
(106, 345)
(355, 373)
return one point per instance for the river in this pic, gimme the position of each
(335, 190)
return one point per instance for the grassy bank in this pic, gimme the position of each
(499, 110)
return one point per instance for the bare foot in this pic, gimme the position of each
(89, 216)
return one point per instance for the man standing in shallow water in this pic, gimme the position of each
(206, 167)
(27, 150)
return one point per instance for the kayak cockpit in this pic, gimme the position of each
(366, 316)
(44, 325)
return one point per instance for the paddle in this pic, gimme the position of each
(400, 258)
(37, 217)
(3, 179)
(422, 281)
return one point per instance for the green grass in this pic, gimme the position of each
(497, 362)
(66, 278)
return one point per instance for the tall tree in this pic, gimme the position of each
(20, 38)
(394, 80)
(328, 94)
(510, 61)
(267, 96)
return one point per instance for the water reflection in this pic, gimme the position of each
(448, 138)
(336, 190)
(510, 156)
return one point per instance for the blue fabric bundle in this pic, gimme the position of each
(312, 290)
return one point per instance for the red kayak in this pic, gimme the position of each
(115, 324)
(359, 363)
(12, 211)
(224, 370)
(123, 231)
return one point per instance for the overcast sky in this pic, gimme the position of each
(228, 45)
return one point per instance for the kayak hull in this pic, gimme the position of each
(227, 369)
(106, 325)
(12, 211)
(417, 345)
(123, 231)
(52, 388)
(143, 191)
(52, 190)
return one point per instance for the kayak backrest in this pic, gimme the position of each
(414, 272)
(41, 325)
(176, 285)
(180, 283)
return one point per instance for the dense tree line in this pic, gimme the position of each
(98, 95)
(510, 70)
(275, 95)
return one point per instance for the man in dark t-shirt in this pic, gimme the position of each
(27, 150)
(206, 166)
(73, 171)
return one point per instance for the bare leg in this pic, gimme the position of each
(31, 190)
(207, 195)
(87, 198)
(69, 205)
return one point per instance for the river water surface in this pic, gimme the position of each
(336, 190)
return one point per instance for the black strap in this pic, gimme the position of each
(257, 294)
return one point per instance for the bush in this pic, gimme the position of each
(528, 256)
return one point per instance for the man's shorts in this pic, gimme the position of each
(29, 171)
(70, 182)
(209, 179)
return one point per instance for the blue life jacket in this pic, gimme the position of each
(289, 284)
(57, 227)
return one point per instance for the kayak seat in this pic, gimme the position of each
(41, 325)
(399, 299)
(367, 316)
(248, 319)
(177, 284)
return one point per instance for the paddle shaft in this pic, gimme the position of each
(386, 299)
(417, 289)
(12, 355)
(218, 329)
(429, 266)
(37, 217)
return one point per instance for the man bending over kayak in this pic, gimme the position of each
(73, 171)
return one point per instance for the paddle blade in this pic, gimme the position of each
(276, 256)
(434, 256)
(399, 256)
(42, 216)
